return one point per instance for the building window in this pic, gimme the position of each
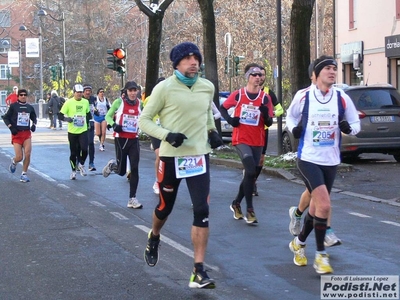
(4, 72)
(5, 18)
(352, 14)
(5, 45)
(397, 9)
(3, 96)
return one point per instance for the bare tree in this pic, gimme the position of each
(156, 16)
(210, 46)
(300, 42)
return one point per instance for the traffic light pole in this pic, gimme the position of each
(123, 74)
(230, 70)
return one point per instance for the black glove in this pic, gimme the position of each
(235, 121)
(68, 119)
(214, 139)
(33, 127)
(345, 126)
(175, 139)
(96, 112)
(109, 126)
(13, 130)
(297, 131)
(265, 112)
(117, 128)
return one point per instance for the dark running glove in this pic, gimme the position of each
(68, 119)
(297, 131)
(117, 128)
(175, 139)
(109, 126)
(345, 126)
(214, 139)
(267, 119)
(96, 112)
(264, 110)
(13, 130)
(33, 127)
(235, 121)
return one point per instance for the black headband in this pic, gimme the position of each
(322, 64)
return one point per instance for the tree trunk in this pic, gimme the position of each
(300, 43)
(210, 48)
(154, 42)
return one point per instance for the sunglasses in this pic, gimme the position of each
(256, 74)
(101, 92)
(23, 95)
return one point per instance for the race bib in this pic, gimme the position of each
(23, 119)
(189, 166)
(129, 123)
(249, 115)
(79, 121)
(324, 136)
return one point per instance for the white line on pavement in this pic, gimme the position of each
(359, 215)
(391, 223)
(119, 216)
(95, 203)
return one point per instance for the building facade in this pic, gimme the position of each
(13, 61)
(367, 41)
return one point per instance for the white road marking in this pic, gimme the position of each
(79, 194)
(62, 185)
(119, 216)
(359, 215)
(176, 245)
(47, 177)
(95, 203)
(391, 223)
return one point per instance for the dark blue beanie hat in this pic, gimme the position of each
(182, 50)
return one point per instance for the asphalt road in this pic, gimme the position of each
(64, 239)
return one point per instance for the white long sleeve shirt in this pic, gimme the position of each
(320, 142)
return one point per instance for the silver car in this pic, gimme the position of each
(378, 107)
(226, 128)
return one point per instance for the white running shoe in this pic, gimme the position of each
(109, 167)
(73, 175)
(134, 203)
(81, 169)
(331, 239)
(295, 222)
(156, 189)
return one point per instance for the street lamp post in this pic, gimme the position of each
(43, 13)
(41, 60)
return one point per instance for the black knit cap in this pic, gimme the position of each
(321, 62)
(182, 50)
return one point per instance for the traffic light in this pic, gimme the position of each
(61, 72)
(111, 61)
(237, 60)
(226, 65)
(117, 61)
(53, 72)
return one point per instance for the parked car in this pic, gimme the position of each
(226, 129)
(378, 107)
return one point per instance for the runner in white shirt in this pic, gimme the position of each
(318, 118)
